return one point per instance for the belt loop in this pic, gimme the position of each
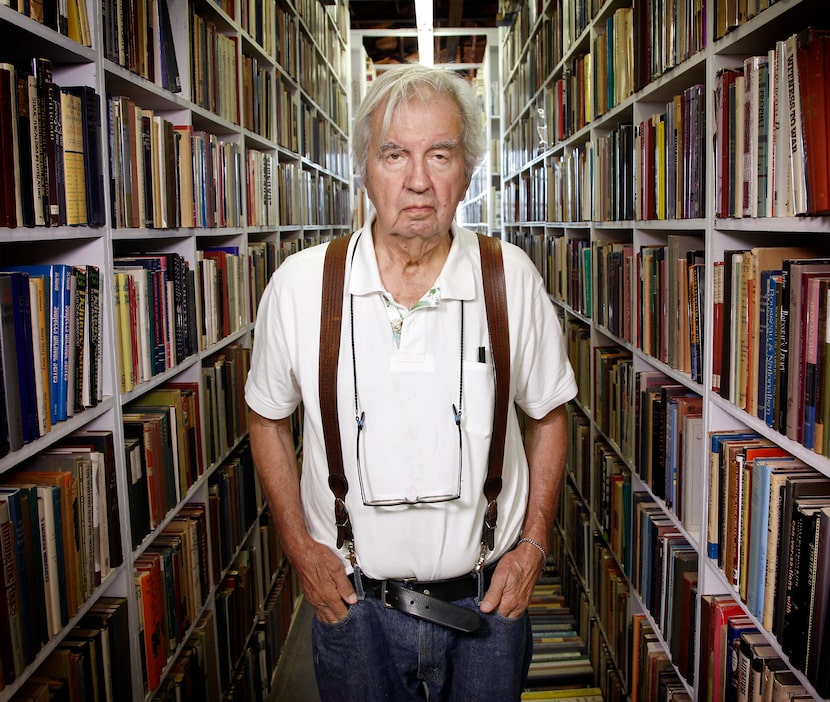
(358, 584)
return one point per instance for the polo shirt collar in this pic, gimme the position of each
(456, 280)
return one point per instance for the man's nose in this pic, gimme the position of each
(418, 175)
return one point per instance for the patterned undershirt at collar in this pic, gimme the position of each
(398, 313)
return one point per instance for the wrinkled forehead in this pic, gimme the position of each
(388, 112)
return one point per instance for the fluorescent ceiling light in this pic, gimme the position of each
(423, 23)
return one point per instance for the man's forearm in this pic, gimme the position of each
(546, 443)
(272, 446)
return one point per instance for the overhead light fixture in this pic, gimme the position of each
(423, 25)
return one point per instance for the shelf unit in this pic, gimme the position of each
(481, 208)
(276, 114)
(586, 220)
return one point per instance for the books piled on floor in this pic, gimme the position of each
(560, 667)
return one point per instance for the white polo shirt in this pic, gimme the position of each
(407, 395)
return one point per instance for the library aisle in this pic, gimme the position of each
(294, 679)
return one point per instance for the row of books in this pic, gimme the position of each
(265, 257)
(159, 313)
(257, 96)
(665, 34)
(172, 582)
(214, 67)
(323, 143)
(310, 197)
(771, 515)
(773, 366)
(258, 19)
(70, 19)
(163, 448)
(771, 146)
(613, 62)
(737, 662)
(91, 662)
(166, 176)
(670, 317)
(603, 618)
(326, 27)
(234, 502)
(261, 189)
(316, 79)
(653, 170)
(664, 572)
(731, 14)
(669, 167)
(59, 540)
(50, 348)
(287, 120)
(286, 44)
(655, 424)
(224, 408)
(568, 21)
(237, 609)
(614, 176)
(632, 47)
(50, 160)
(531, 73)
(653, 677)
(194, 675)
(224, 292)
(273, 626)
(138, 35)
(652, 298)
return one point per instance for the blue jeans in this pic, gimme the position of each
(375, 653)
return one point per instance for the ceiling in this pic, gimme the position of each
(400, 14)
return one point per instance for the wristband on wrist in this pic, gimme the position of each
(532, 542)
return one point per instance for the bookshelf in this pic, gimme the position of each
(481, 208)
(204, 143)
(635, 206)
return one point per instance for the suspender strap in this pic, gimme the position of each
(495, 302)
(331, 317)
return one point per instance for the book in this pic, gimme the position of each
(17, 426)
(72, 127)
(11, 212)
(148, 580)
(811, 47)
(91, 135)
(26, 155)
(22, 507)
(16, 662)
(795, 487)
(798, 179)
(137, 490)
(102, 442)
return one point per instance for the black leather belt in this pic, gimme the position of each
(431, 601)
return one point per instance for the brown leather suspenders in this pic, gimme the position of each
(331, 315)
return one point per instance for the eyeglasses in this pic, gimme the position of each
(421, 499)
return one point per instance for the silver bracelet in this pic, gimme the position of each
(537, 545)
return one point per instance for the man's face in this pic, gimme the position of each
(415, 176)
